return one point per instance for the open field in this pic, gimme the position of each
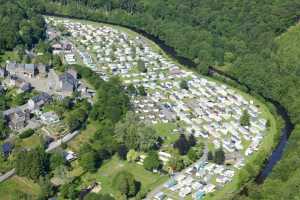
(110, 168)
(16, 186)
(30, 142)
(166, 131)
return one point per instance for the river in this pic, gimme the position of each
(277, 153)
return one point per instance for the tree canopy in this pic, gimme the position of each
(19, 25)
(125, 183)
(136, 135)
(32, 164)
(152, 161)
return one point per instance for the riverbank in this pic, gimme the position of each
(286, 126)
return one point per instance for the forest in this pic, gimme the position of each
(19, 27)
(246, 39)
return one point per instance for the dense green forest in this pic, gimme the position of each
(18, 26)
(250, 40)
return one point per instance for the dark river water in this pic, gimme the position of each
(277, 153)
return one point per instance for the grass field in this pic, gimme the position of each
(166, 131)
(110, 168)
(30, 142)
(12, 188)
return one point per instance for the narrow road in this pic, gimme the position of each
(65, 139)
(7, 175)
(158, 189)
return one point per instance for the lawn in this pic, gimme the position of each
(166, 130)
(110, 168)
(30, 142)
(11, 188)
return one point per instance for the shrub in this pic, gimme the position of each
(26, 134)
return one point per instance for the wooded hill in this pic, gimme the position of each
(19, 26)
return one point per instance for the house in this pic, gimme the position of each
(16, 118)
(57, 46)
(185, 191)
(199, 195)
(163, 156)
(3, 72)
(67, 82)
(49, 118)
(30, 70)
(73, 73)
(25, 87)
(42, 69)
(70, 156)
(159, 196)
(11, 67)
(38, 101)
(27, 69)
(2, 90)
(7, 149)
(70, 58)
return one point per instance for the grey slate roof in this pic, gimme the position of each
(42, 97)
(68, 81)
(30, 68)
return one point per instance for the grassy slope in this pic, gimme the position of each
(288, 53)
(16, 184)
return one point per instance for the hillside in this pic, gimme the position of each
(288, 52)
(283, 182)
